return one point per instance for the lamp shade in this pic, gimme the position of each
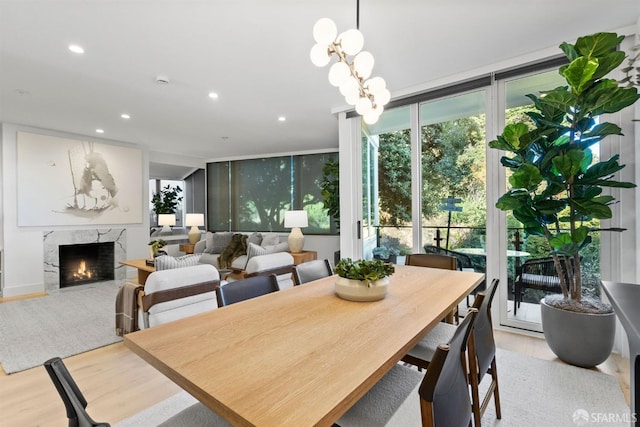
(295, 219)
(166, 219)
(194, 219)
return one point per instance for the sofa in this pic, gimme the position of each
(213, 244)
(265, 254)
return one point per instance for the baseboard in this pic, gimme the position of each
(22, 290)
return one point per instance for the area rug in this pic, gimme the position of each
(63, 323)
(533, 393)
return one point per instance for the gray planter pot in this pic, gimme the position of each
(580, 339)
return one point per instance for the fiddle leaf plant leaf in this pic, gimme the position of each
(569, 164)
(526, 176)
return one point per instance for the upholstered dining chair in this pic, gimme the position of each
(444, 262)
(245, 289)
(73, 399)
(311, 270)
(482, 352)
(404, 396)
(177, 293)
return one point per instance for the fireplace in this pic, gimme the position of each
(86, 263)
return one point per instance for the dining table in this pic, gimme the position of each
(300, 356)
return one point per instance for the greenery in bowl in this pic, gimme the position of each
(363, 270)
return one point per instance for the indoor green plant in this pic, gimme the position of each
(166, 201)
(555, 187)
(155, 246)
(362, 280)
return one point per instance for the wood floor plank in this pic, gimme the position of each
(118, 384)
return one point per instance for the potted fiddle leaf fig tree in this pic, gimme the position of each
(556, 187)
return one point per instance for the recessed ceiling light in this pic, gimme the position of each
(75, 48)
(282, 118)
(99, 131)
(125, 116)
(213, 95)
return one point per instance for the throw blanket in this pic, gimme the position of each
(236, 248)
(127, 308)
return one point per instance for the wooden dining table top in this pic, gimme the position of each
(300, 356)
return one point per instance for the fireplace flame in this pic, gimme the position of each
(82, 272)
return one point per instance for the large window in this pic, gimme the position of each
(252, 195)
(155, 186)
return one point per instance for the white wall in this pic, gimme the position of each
(22, 269)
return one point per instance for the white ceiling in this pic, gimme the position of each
(255, 54)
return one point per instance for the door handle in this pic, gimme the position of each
(359, 230)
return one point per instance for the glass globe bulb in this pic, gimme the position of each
(383, 97)
(363, 106)
(320, 55)
(351, 41)
(375, 84)
(371, 118)
(352, 98)
(325, 31)
(350, 87)
(338, 73)
(363, 64)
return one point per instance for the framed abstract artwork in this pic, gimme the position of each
(64, 181)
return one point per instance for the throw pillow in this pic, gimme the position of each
(269, 239)
(255, 238)
(256, 250)
(166, 262)
(217, 242)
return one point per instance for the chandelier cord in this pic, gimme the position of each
(357, 14)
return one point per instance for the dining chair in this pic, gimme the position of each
(74, 401)
(444, 262)
(311, 270)
(176, 293)
(442, 392)
(245, 289)
(482, 352)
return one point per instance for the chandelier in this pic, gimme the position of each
(351, 73)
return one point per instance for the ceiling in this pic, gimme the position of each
(255, 55)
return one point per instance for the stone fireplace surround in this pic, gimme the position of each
(52, 239)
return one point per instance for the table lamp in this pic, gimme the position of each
(295, 220)
(194, 220)
(166, 221)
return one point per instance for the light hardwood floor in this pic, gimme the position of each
(118, 384)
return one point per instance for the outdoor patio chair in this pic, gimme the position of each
(538, 273)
